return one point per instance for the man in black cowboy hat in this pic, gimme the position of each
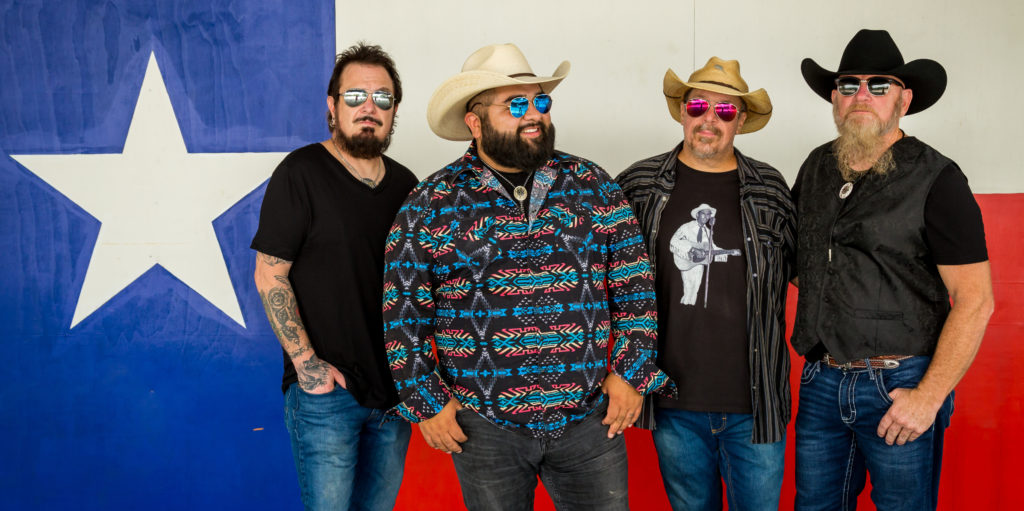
(888, 232)
(721, 328)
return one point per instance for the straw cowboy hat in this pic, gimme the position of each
(497, 65)
(723, 77)
(873, 52)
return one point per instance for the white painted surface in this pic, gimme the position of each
(610, 109)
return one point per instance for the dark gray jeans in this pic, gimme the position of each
(582, 470)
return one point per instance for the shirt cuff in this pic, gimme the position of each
(426, 399)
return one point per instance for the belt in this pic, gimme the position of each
(879, 362)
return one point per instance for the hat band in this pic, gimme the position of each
(723, 85)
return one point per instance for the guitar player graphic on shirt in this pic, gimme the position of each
(693, 249)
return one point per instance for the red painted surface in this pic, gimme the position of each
(981, 465)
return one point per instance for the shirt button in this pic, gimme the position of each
(826, 300)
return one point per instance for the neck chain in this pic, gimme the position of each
(371, 182)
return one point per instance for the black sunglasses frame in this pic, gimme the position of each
(877, 85)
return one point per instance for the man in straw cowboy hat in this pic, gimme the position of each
(521, 264)
(325, 214)
(721, 334)
(889, 231)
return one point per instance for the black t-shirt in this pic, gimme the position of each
(702, 294)
(952, 220)
(333, 229)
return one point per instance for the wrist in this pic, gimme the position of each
(301, 355)
(933, 397)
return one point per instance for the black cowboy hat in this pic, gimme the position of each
(873, 52)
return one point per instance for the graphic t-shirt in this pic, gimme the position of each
(701, 289)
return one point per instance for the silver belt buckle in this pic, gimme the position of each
(890, 364)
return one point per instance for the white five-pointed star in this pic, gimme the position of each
(156, 203)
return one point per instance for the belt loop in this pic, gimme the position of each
(870, 368)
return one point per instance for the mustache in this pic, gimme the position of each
(374, 120)
(708, 127)
(539, 126)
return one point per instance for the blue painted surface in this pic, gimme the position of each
(151, 402)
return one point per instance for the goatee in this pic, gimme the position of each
(860, 141)
(365, 144)
(709, 152)
(510, 150)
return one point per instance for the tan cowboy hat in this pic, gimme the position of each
(489, 67)
(723, 77)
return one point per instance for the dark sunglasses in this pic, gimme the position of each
(382, 98)
(520, 105)
(696, 107)
(877, 85)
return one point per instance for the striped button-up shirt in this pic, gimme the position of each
(769, 223)
(522, 303)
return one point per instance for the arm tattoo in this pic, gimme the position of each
(283, 311)
(313, 374)
(300, 351)
(270, 260)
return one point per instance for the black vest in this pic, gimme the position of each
(868, 285)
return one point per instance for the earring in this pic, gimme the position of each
(330, 122)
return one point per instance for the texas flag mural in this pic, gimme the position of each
(136, 137)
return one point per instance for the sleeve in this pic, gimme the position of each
(953, 223)
(284, 216)
(787, 207)
(409, 311)
(631, 302)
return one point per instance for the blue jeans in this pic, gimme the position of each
(837, 443)
(696, 450)
(346, 456)
(582, 470)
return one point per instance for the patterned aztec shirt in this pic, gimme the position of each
(521, 308)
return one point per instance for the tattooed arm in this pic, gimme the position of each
(315, 375)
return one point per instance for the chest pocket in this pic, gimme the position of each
(465, 250)
(769, 224)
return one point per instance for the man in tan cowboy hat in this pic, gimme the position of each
(520, 263)
(889, 232)
(721, 334)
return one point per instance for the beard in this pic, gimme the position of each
(510, 150)
(365, 144)
(860, 142)
(708, 151)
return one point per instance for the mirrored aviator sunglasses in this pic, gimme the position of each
(877, 85)
(355, 97)
(519, 106)
(696, 107)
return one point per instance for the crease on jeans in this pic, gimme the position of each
(729, 487)
(849, 472)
